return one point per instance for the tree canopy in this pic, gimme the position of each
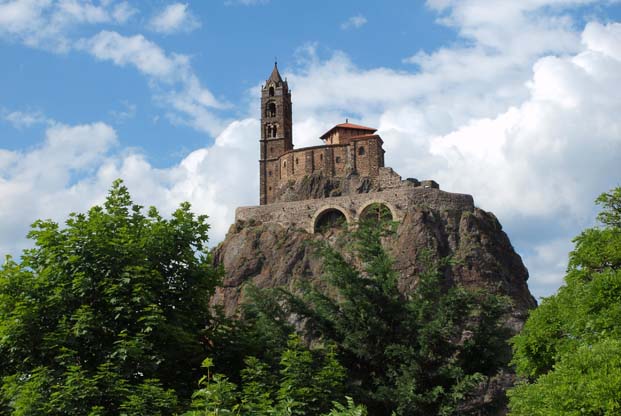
(569, 351)
(108, 314)
(417, 354)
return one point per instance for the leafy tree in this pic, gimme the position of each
(307, 383)
(107, 315)
(415, 354)
(569, 351)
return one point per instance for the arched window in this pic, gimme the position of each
(284, 164)
(271, 91)
(270, 111)
(338, 159)
(297, 162)
(321, 157)
(274, 129)
(361, 151)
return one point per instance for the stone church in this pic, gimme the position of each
(348, 149)
(342, 177)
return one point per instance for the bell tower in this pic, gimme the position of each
(276, 133)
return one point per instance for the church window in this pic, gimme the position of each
(361, 151)
(274, 129)
(284, 164)
(271, 91)
(269, 189)
(297, 162)
(321, 157)
(270, 111)
(269, 173)
(338, 159)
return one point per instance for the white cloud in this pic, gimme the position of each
(174, 81)
(74, 167)
(354, 22)
(46, 24)
(21, 119)
(523, 115)
(532, 131)
(174, 18)
(137, 51)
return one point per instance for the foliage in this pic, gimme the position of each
(107, 315)
(307, 383)
(568, 351)
(419, 354)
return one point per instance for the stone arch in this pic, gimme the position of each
(327, 211)
(377, 202)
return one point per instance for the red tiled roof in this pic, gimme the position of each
(348, 126)
(362, 136)
(355, 126)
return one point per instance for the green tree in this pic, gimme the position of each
(307, 384)
(415, 354)
(568, 351)
(108, 314)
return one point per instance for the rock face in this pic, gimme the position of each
(269, 254)
(319, 186)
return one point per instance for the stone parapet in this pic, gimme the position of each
(303, 214)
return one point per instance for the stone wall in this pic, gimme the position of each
(303, 214)
(365, 157)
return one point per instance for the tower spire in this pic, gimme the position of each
(275, 76)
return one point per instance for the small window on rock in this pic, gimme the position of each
(297, 162)
(284, 164)
(269, 189)
(338, 159)
(361, 151)
(321, 158)
(269, 173)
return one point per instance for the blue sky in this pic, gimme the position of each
(514, 102)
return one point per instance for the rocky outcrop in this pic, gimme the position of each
(269, 255)
(317, 186)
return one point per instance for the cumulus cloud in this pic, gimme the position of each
(533, 133)
(174, 18)
(354, 22)
(523, 115)
(75, 165)
(45, 23)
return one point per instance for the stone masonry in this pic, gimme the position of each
(351, 160)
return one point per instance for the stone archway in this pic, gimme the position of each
(377, 208)
(330, 216)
